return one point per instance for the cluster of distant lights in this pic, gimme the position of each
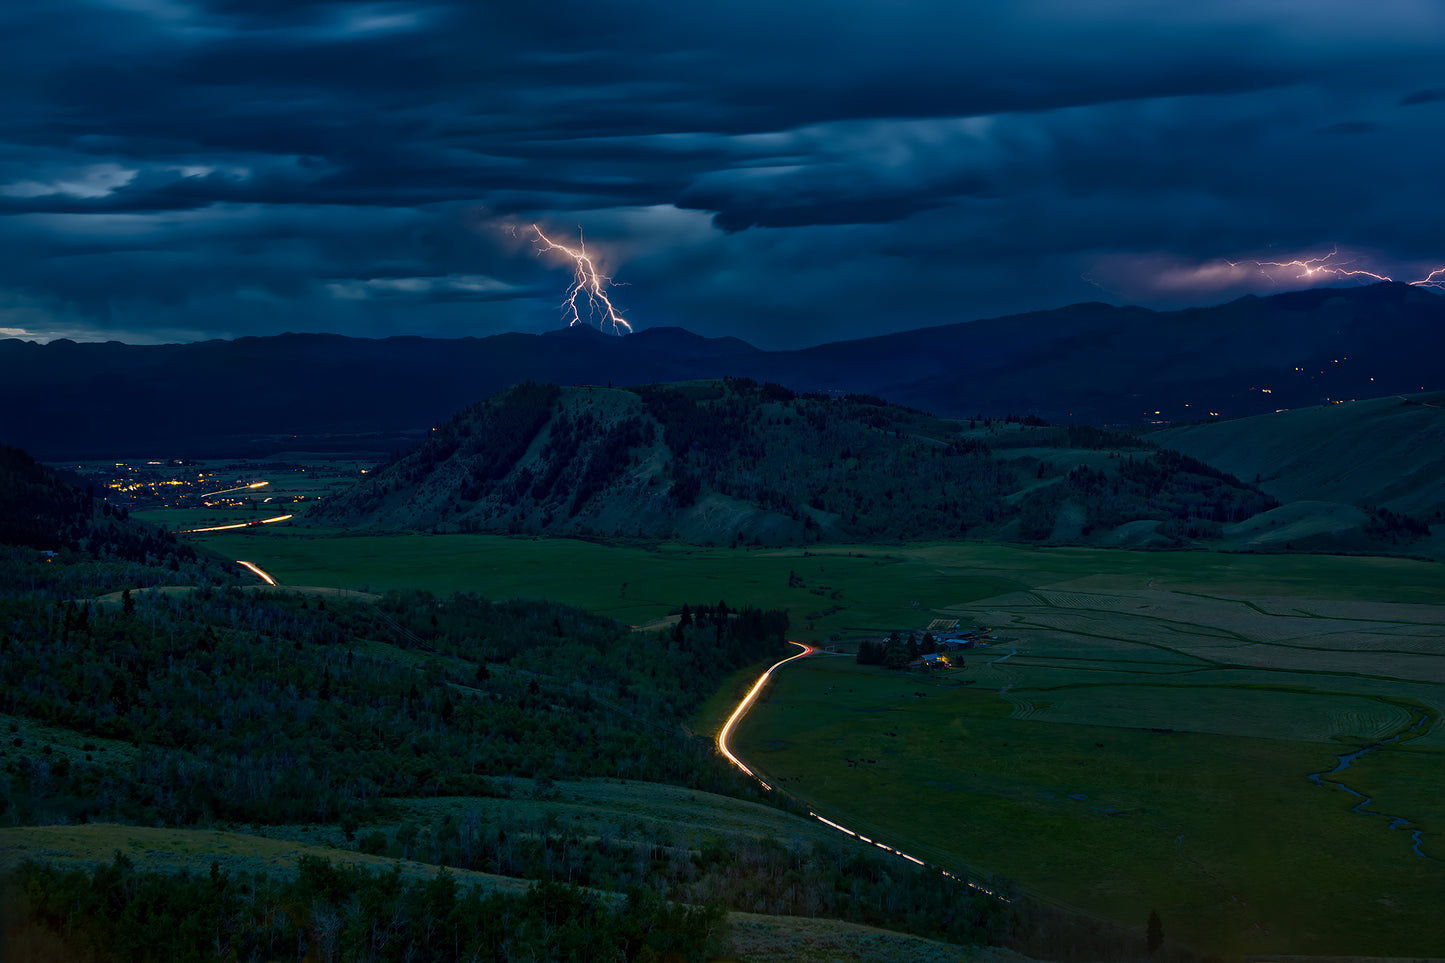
(252, 486)
(135, 486)
(1332, 401)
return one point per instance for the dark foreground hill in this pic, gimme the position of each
(1085, 364)
(733, 461)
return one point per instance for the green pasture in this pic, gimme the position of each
(1223, 710)
(848, 590)
(1410, 780)
(184, 519)
(1141, 738)
(632, 583)
(1111, 799)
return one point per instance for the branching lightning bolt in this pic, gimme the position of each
(587, 282)
(1325, 266)
(1435, 279)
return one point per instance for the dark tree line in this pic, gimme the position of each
(1195, 498)
(331, 912)
(1389, 526)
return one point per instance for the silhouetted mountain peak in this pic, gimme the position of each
(673, 338)
(581, 332)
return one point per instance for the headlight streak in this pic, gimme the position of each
(241, 488)
(741, 710)
(264, 577)
(227, 528)
(722, 737)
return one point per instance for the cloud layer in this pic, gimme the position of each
(786, 173)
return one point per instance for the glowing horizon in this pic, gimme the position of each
(1148, 277)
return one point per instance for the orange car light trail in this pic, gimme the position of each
(264, 577)
(741, 710)
(722, 737)
(227, 528)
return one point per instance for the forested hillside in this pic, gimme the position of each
(221, 705)
(264, 708)
(734, 461)
(46, 522)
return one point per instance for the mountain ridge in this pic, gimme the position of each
(1086, 363)
(737, 462)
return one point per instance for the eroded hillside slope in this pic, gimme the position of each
(733, 461)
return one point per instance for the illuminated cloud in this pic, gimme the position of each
(1167, 279)
(422, 288)
(90, 181)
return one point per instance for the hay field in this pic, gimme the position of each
(1131, 749)
(1368, 640)
(1222, 710)
(847, 590)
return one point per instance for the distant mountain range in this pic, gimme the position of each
(1085, 364)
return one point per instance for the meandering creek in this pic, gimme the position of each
(1348, 759)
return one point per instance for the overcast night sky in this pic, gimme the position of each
(789, 173)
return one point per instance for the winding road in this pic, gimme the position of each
(741, 710)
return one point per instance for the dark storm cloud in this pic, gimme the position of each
(1352, 127)
(782, 172)
(1422, 97)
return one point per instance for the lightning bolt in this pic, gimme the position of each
(587, 282)
(1314, 268)
(1310, 268)
(1435, 279)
